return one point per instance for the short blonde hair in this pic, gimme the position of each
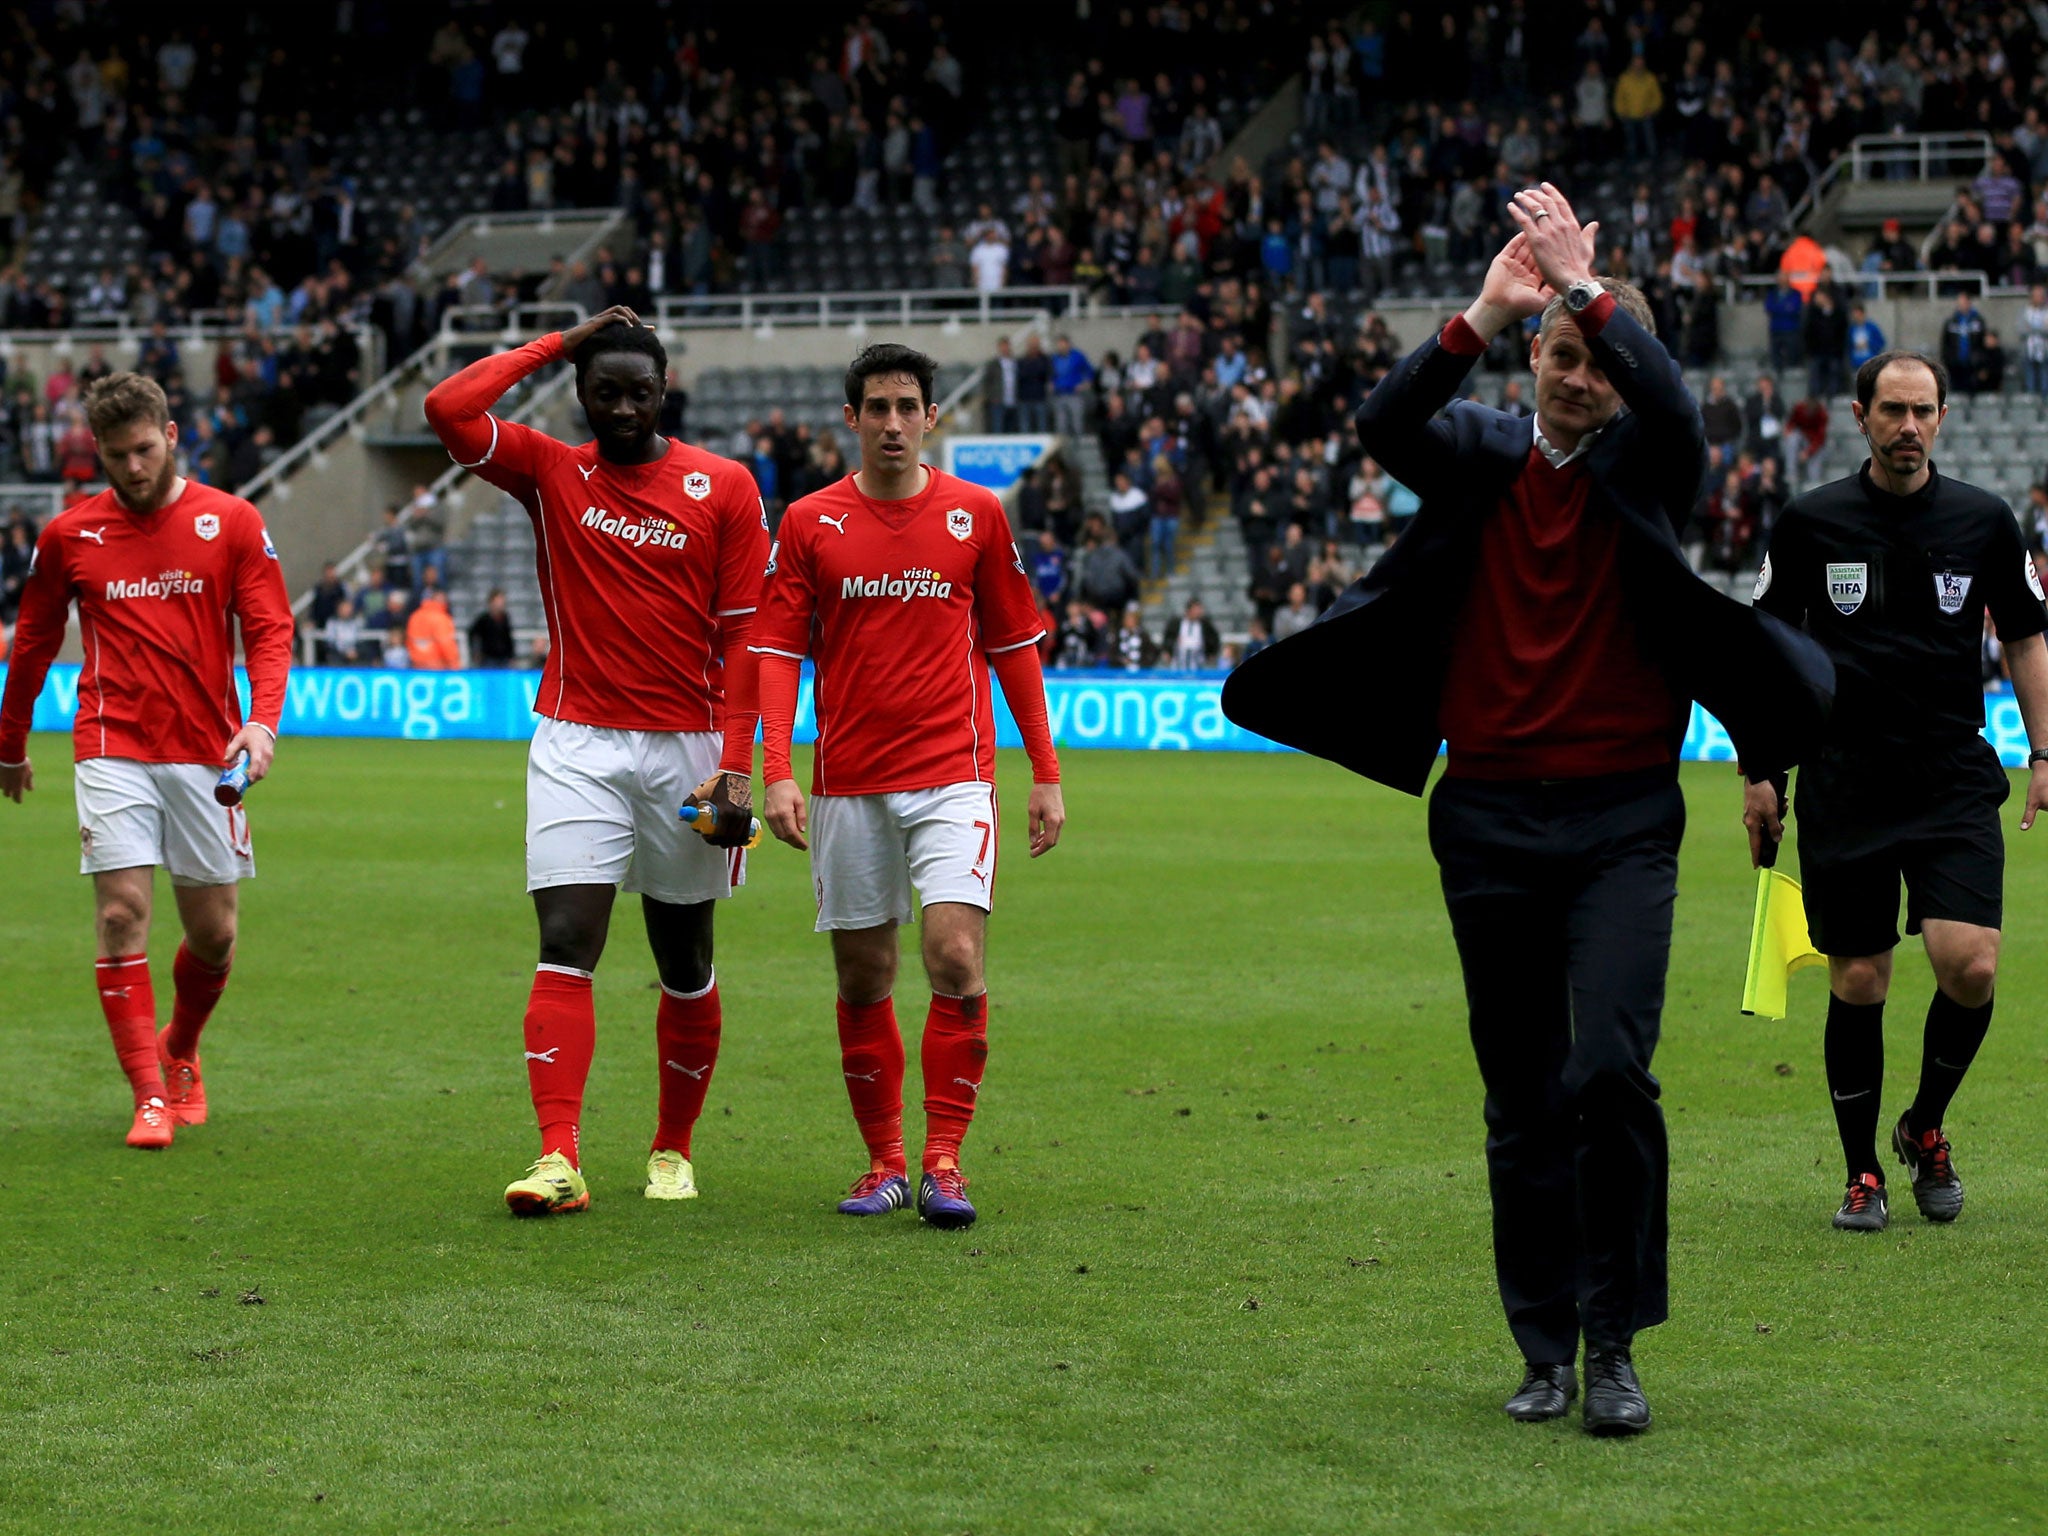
(1627, 295)
(121, 398)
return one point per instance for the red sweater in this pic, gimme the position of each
(1548, 678)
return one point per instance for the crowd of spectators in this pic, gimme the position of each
(402, 616)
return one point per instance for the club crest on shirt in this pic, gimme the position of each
(696, 485)
(207, 526)
(1848, 585)
(1949, 591)
(2033, 577)
(960, 524)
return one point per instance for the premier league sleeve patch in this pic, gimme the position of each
(2034, 579)
(1763, 581)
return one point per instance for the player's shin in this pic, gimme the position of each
(871, 1055)
(955, 1051)
(128, 999)
(686, 1031)
(561, 1034)
(199, 987)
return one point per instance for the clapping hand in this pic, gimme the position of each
(1561, 250)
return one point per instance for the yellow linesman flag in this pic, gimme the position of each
(1778, 944)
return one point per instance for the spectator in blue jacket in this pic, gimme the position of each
(1049, 567)
(1072, 373)
(1866, 340)
(1787, 311)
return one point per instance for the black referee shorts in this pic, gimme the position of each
(1866, 824)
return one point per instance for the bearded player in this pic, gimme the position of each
(161, 568)
(649, 554)
(906, 590)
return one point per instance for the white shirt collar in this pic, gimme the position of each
(1555, 457)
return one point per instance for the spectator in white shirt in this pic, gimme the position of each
(990, 260)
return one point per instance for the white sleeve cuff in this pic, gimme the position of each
(480, 463)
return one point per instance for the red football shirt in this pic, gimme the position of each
(900, 604)
(640, 564)
(157, 598)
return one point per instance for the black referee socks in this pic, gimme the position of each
(1854, 1047)
(1953, 1035)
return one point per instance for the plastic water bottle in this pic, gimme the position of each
(234, 783)
(708, 815)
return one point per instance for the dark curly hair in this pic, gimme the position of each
(621, 337)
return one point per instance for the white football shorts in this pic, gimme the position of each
(132, 814)
(601, 809)
(869, 851)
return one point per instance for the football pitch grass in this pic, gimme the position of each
(1232, 1272)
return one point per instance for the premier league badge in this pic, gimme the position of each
(1950, 590)
(1848, 585)
(960, 524)
(207, 526)
(696, 485)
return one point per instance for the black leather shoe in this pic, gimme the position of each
(1615, 1404)
(1546, 1391)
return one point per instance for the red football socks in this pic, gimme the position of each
(199, 987)
(128, 998)
(955, 1048)
(686, 1029)
(561, 1034)
(871, 1054)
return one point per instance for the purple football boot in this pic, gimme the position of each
(942, 1199)
(876, 1193)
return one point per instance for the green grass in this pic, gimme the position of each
(1233, 1270)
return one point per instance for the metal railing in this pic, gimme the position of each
(509, 323)
(899, 306)
(37, 500)
(1896, 157)
(205, 325)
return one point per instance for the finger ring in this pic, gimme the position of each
(1542, 213)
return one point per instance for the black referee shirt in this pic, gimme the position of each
(1895, 588)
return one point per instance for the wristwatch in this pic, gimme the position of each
(2038, 755)
(1581, 295)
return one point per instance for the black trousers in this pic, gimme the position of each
(1560, 895)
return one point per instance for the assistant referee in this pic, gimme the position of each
(1891, 570)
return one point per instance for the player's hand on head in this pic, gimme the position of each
(17, 779)
(1045, 815)
(618, 314)
(258, 743)
(782, 807)
(731, 797)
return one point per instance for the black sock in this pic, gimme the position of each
(1854, 1047)
(1953, 1035)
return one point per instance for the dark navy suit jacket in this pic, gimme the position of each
(1362, 685)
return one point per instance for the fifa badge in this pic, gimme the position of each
(1848, 585)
